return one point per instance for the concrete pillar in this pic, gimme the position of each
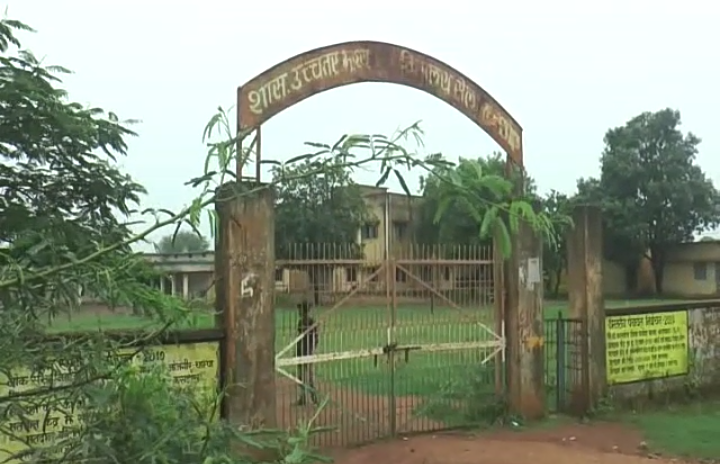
(185, 285)
(162, 284)
(524, 326)
(585, 291)
(245, 286)
(173, 284)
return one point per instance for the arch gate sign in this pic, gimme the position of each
(326, 68)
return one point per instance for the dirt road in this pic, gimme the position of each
(571, 444)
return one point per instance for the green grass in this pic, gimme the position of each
(685, 431)
(366, 315)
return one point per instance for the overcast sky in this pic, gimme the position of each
(566, 70)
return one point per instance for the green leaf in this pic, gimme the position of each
(504, 240)
(383, 178)
(297, 159)
(324, 146)
(338, 146)
(403, 184)
(489, 221)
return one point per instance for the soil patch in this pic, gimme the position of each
(571, 444)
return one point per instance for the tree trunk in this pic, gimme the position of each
(547, 281)
(657, 260)
(556, 288)
(631, 277)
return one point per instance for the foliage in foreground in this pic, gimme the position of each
(64, 223)
(491, 203)
(147, 418)
(460, 224)
(478, 195)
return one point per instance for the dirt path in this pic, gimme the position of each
(572, 444)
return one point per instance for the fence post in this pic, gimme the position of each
(525, 326)
(560, 350)
(245, 284)
(585, 288)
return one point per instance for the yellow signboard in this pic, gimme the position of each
(194, 365)
(646, 346)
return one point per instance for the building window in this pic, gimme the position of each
(350, 274)
(400, 230)
(400, 275)
(279, 274)
(700, 271)
(369, 231)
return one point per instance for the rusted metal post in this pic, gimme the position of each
(585, 291)
(244, 262)
(524, 325)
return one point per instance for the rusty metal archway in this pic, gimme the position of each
(325, 68)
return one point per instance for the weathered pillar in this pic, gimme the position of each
(245, 270)
(173, 284)
(585, 291)
(185, 285)
(524, 325)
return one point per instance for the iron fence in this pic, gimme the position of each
(408, 339)
(564, 366)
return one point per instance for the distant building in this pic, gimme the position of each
(693, 269)
(388, 234)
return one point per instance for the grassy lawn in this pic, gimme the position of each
(377, 316)
(684, 431)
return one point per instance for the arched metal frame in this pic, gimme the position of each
(325, 68)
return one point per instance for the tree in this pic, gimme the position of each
(318, 216)
(182, 242)
(63, 223)
(458, 225)
(490, 201)
(557, 207)
(324, 209)
(652, 192)
(63, 196)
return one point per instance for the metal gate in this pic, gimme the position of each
(407, 344)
